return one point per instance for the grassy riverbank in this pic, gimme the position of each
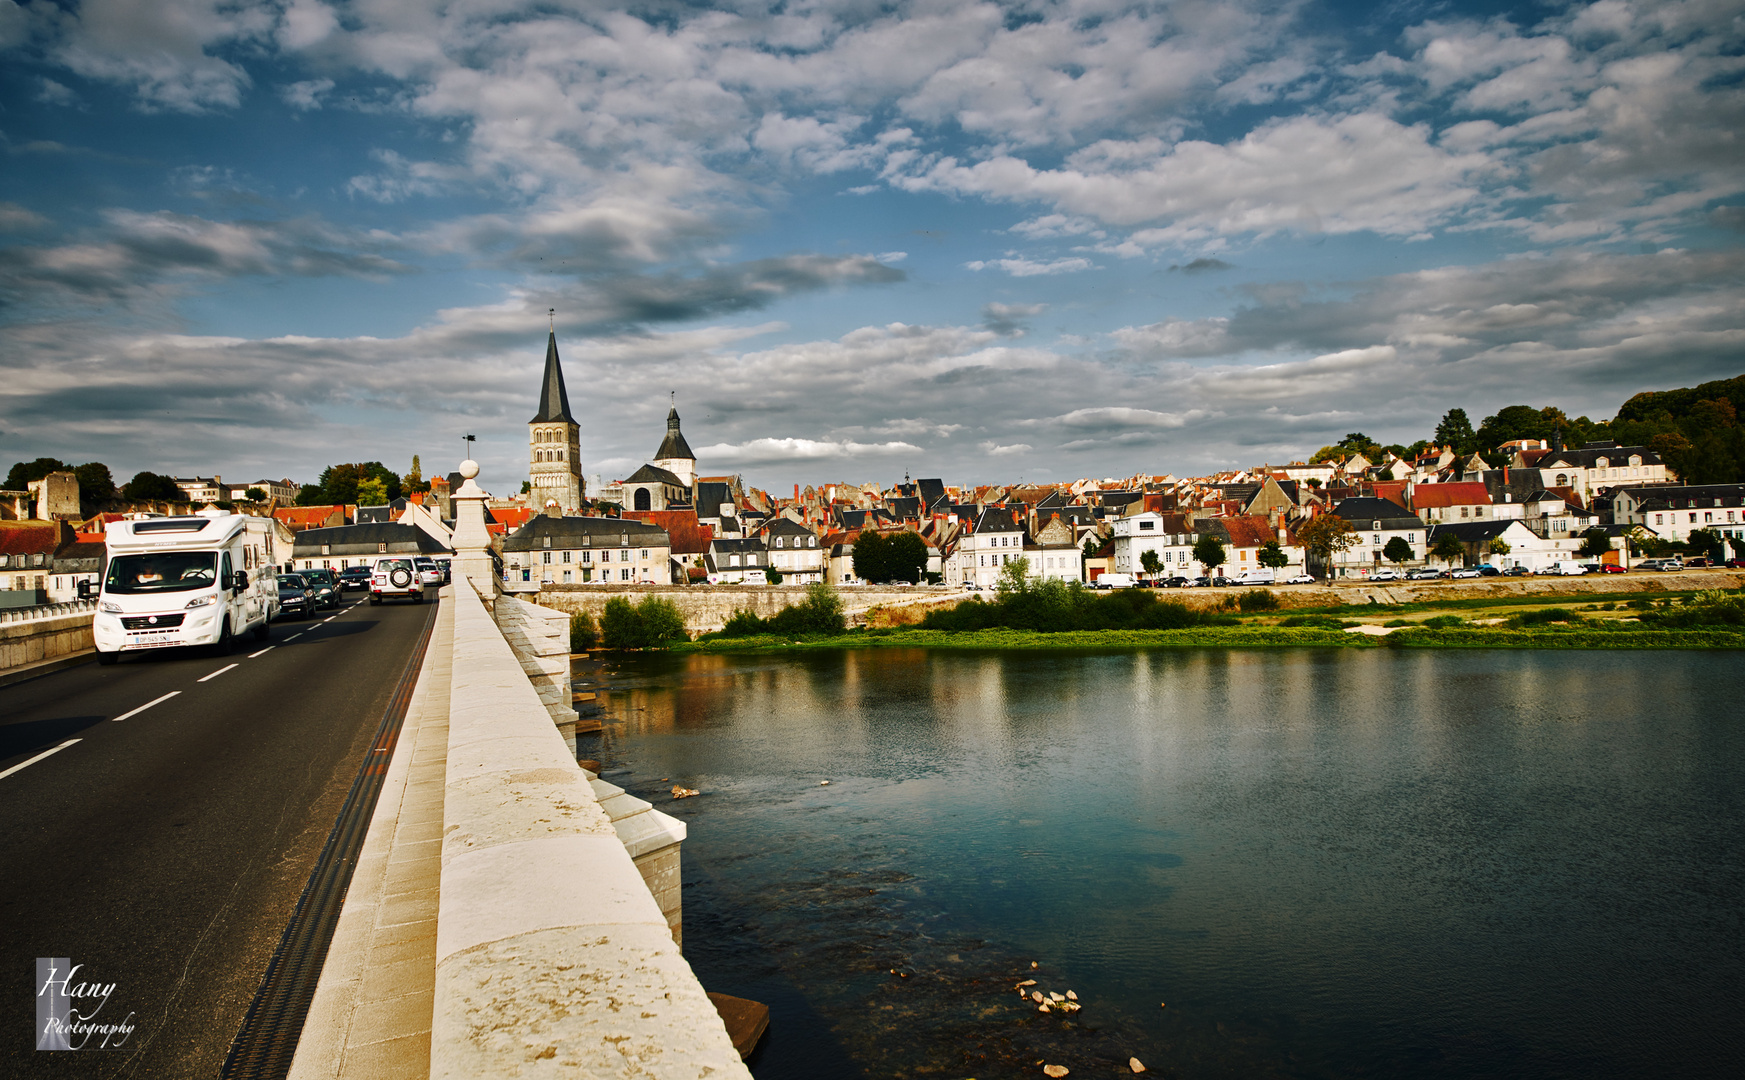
(1672, 620)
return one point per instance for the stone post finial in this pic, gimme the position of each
(472, 541)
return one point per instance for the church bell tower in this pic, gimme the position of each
(554, 443)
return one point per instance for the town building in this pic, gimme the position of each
(1672, 512)
(576, 550)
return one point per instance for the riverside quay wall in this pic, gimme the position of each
(706, 608)
(1613, 586)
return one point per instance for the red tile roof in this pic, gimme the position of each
(29, 537)
(688, 536)
(307, 517)
(1463, 493)
(513, 516)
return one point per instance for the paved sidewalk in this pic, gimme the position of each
(370, 1018)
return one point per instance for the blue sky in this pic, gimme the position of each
(984, 242)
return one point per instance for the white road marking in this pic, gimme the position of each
(147, 705)
(37, 758)
(217, 673)
(263, 652)
(330, 618)
(295, 636)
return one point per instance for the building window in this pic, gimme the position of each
(545, 541)
(566, 576)
(566, 556)
(587, 556)
(624, 575)
(382, 548)
(547, 558)
(644, 554)
(326, 549)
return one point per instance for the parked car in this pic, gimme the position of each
(1426, 573)
(1611, 568)
(1517, 571)
(1698, 562)
(1487, 570)
(325, 584)
(1566, 569)
(1385, 575)
(1736, 564)
(1659, 564)
(1114, 581)
(1221, 582)
(1173, 582)
(970, 586)
(295, 596)
(1301, 579)
(1465, 573)
(354, 577)
(1200, 582)
(395, 577)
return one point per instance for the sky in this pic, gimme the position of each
(852, 239)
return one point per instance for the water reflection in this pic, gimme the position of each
(1453, 864)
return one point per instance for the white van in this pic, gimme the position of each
(1260, 575)
(1114, 581)
(201, 579)
(1567, 569)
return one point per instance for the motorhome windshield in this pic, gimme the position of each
(170, 571)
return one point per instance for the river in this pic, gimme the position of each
(1294, 863)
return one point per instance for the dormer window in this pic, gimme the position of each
(545, 541)
(1375, 525)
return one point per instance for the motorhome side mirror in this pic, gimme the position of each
(85, 591)
(240, 581)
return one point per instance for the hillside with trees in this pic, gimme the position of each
(1695, 430)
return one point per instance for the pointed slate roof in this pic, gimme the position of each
(554, 403)
(674, 445)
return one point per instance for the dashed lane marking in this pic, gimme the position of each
(147, 705)
(295, 636)
(37, 758)
(263, 652)
(217, 673)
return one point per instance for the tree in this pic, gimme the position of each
(1447, 547)
(1014, 578)
(1398, 551)
(95, 483)
(869, 557)
(1325, 536)
(1093, 544)
(772, 575)
(24, 473)
(1456, 430)
(1272, 556)
(414, 479)
(906, 556)
(1314, 482)
(339, 483)
(1209, 552)
(1499, 546)
(1706, 542)
(1594, 544)
(255, 495)
(1150, 563)
(310, 495)
(652, 624)
(149, 486)
(372, 492)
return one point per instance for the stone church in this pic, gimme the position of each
(554, 444)
(667, 483)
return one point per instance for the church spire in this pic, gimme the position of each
(554, 403)
(674, 447)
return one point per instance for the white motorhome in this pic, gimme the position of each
(202, 579)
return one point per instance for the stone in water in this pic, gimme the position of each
(1070, 996)
(1133, 1063)
(680, 791)
(1055, 1070)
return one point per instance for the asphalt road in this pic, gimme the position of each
(166, 848)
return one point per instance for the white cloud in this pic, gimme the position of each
(1021, 267)
(994, 449)
(307, 94)
(767, 451)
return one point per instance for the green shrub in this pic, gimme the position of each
(1058, 606)
(1443, 622)
(1398, 622)
(1545, 615)
(1257, 600)
(742, 623)
(1324, 622)
(583, 634)
(652, 624)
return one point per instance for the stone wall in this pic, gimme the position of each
(540, 638)
(1417, 592)
(708, 607)
(552, 954)
(39, 637)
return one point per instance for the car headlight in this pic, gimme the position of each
(202, 601)
(111, 607)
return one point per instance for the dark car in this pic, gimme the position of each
(1517, 571)
(1221, 582)
(1175, 582)
(295, 596)
(354, 577)
(325, 584)
(1487, 570)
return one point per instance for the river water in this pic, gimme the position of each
(1245, 864)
